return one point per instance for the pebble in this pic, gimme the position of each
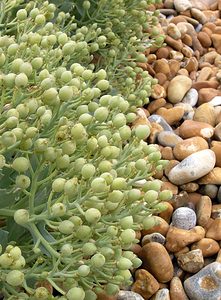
(208, 247)
(182, 5)
(168, 138)
(153, 237)
(203, 210)
(205, 113)
(160, 120)
(159, 264)
(129, 295)
(172, 115)
(215, 101)
(191, 97)
(162, 294)
(213, 177)
(214, 230)
(219, 195)
(216, 148)
(184, 218)
(145, 284)
(178, 87)
(191, 261)
(206, 284)
(189, 146)
(193, 167)
(209, 190)
(190, 128)
(176, 290)
(177, 239)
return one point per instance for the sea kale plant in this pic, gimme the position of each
(76, 179)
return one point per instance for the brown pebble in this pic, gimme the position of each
(170, 165)
(191, 64)
(162, 78)
(162, 52)
(208, 247)
(216, 148)
(145, 284)
(159, 264)
(167, 185)
(191, 261)
(214, 231)
(176, 290)
(204, 39)
(213, 177)
(216, 211)
(190, 187)
(187, 40)
(218, 258)
(172, 115)
(190, 128)
(205, 84)
(189, 146)
(155, 104)
(206, 95)
(158, 92)
(194, 197)
(161, 66)
(167, 153)
(217, 132)
(178, 238)
(205, 113)
(104, 296)
(216, 39)
(161, 226)
(204, 74)
(203, 210)
(154, 131)
(175, 44)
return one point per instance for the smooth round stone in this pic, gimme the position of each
(215, 101)
(184, 218)
(128, 295)
(193, 167)
(209, 190)
(191, 97)
(206, 284)
(160, 120)
(178, 87)
(168, 138)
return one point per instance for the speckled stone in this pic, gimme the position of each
(153, 237)
(168, 138)
(162, 294)
(193, 167)
(191, 261)
(206, 284)
(128, 295)
(184, 218)
(160, 120)
(191, 97)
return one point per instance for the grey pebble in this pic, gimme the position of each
(184, 218)
(191, 97)
(206, 284)
(160, 120)
(153, 237)
(168, 138)
(219, 195)
(209, 190)
(162, 294)
(128, 295)
(198, 27)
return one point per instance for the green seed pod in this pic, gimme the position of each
(83, 232)
(88, 171)
(8, 139)
(151, 196)
(21, 80)
(66, 250)
(149, 222)
(70, 187)
(90, 295)
(142, 132)
(78, 132)
(66, 227)
(126, 222)
(98, 260)
(83, 270)
(92, 215)
(89, 249)
(41, 293)
(21, 216)
(124, 263)
(21, 164)
(99, 185)
(76, 293)
(22, 181)
(128, 236)
(58, 210)
(6, 261)
(165, 195)
(112, 289)
(15, 278)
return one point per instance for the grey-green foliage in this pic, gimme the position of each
(71, 167)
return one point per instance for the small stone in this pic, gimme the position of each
(182, 5)
(205, 74)
(177, 56)
(172, 115)
(167, 213)
(190, 128)
(191, 261)
(168, 138)
(209, 190)
(128, 295)
(219, 195)
(155, 104)
(214, 230)
(193, 167)
(161, 66)
(158, 92)
(173, 31)
(206, 284)
(162, 294)
(204, 39)
(216, 211)
(145, 284)
(167, 153)
(175, 44)
(203, 210)
(190, 187)
(216, 39)
(205, 113)
(177, 239)
(217, 132)
(184, 218)
(215, 101)
(191, 97)
(177, 290)
(178, 87)
(213, 177)
(159, 264)
(216, 148)
(189, 146)
(208, 247)
(153, 237)
(160, 120)
(198, 15)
